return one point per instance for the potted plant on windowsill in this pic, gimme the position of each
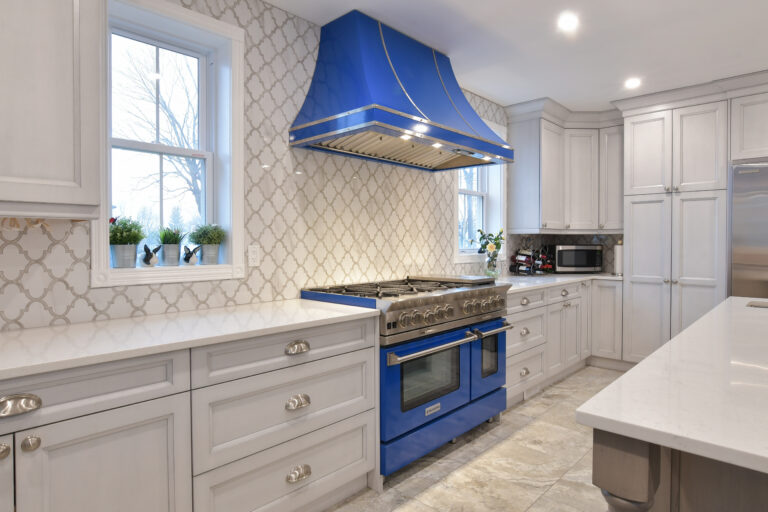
(170, 239)
(490, 244)
(210, 237)
(124, 234)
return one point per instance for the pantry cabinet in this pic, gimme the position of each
(53, 131)
(648, 153)
(605, 319)
(749, 127)
(700, 147)
(6, 474)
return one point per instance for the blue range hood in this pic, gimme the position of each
(381, 95)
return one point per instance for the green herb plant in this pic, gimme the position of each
(208, 234)
(125, 231)
(171, 236)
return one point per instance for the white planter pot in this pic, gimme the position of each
(123, 256)
(170, 255)
(209, 254)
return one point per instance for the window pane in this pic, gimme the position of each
(133, 90)
(179, 109)
(183, 192)
(470, 219)
(136, 188)
(469, 179)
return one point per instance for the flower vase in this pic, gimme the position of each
(492, 266)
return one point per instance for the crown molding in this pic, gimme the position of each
(549, 109)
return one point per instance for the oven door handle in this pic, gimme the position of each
(393, 359)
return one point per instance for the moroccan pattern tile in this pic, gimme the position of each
(319, 218)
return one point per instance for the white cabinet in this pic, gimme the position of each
(52, 106)
(611, 188)
(6, 474)
(700, 147)
(563, 347)
(605, 325)
(648, 245)
(132, 459)
(552, 176)
(586, 321)
(648, 153)
(572, 331)
(749, 127)
(581, 178)
(699, 266)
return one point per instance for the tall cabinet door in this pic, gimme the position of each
(552, 176)
(6, 474)
(699, 255)
(611, 188)
(131, 459)
(52, 135)
(648, 153)
(606, 319)
(648, 240)
(581, 178)
(554, 353)
(572, 333)
(700, 148)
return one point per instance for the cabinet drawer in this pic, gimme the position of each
(229, 361)
(525, 370)
(248, 415)
(525, 300)
(335, 455)
(69, 393)
(563, 292)
(529, 330)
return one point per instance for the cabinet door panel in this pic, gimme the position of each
(581, 178)
(552, 176)
(648, 240)
(749, 127)
(586, 321)
(699, 255)
(606, 319)
(648, 153)
(700, 147)
(611, 188)
(572, 332)
(131, 459)
(6, 475)
(52, 136)
(554, 353)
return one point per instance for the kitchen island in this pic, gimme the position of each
(685, 429)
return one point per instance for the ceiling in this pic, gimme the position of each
(511, 51)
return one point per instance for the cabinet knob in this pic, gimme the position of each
(666, 189)
(666, 281)
(525, 372)
(543, 224)
(525, 331)
(567, 226)
(298, 402)
(30, 444)
(297, 347)
(676, 188)
(21, 403)
(298, 473)
(524, 301)
(601, 226)
(564, 293)
(5, 451)
(675, 281)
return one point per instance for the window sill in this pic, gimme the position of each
(154, 275)
(469, 257)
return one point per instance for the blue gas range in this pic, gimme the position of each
(442, 365)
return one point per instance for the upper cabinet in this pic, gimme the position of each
(611, 188)
(648, 153)
(52, 106)
(581, 178)
(552, 176)
(700, 147)
(749, 127)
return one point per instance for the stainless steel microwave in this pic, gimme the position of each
(578, 258)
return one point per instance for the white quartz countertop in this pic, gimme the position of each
(528, 283)
(705, 392)
(31, 351)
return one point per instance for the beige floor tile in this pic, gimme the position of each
(564, 415)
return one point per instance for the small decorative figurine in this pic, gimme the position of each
(150, 256)
(190, 255)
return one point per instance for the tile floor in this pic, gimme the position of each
(537, 459)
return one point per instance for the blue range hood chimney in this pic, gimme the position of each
(381, 95)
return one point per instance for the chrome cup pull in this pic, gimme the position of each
(297, 347)
(525, 372)
(298, 473)
(30, 444)
(298, 402)
(524, 301)
(21, 403)
(5, 451)
(525, 331)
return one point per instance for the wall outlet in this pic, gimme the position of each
(254, 255)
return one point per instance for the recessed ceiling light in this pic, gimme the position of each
(405, 137)
(632, 83)
(568, 22)
(437, 145)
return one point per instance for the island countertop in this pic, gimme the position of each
(705, 392)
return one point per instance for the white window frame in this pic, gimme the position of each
(221, 136)
(482, 179)
(494, 178)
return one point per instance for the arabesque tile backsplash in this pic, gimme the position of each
(340, 220)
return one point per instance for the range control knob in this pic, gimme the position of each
(405, 320)
(441, 313)
(476, 305)
(467, 308)
(449, 312)
(498, 301)
(418, 317)
(429, 317)
(485, 306)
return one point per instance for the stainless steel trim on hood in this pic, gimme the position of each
(386, 52)
(440, 76)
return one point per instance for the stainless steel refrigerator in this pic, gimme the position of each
(749, 229)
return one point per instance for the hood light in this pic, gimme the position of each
(505, 146)
(405, 137)
(421, 128)
(486, 158)
(437, 145)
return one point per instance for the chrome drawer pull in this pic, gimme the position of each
(524, 301)
(5, 451)
(297, 347)
(30, 444)
(524, 331)
(525, 372)
(298, 473)
(298, 402)
(22, 403)
(564, 293)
